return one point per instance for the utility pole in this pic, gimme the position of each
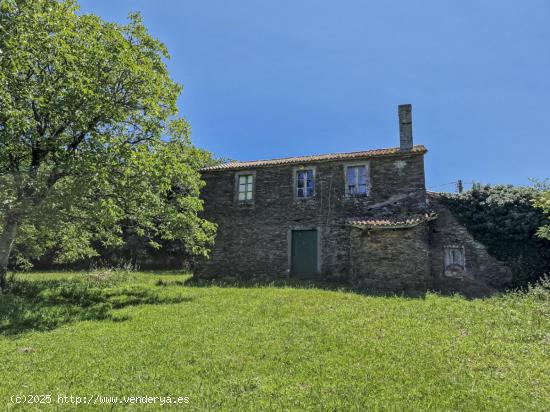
(459, 186)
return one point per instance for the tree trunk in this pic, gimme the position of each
(7, 239)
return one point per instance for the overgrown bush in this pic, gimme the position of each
(542, 201)
(135, 252)
(109, 276)
(504, 219)
(541, 289)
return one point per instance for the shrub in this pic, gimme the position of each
(541, 289)
(108, 277)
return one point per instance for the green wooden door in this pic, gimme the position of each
(304, 253)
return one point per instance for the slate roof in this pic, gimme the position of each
(317, 158)
(391, 222)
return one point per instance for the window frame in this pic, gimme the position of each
(238, 175)
(448, 257)
(366, 165)
(295, 171)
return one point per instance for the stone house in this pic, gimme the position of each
(362, 217)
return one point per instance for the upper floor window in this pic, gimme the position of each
(305, 183)
(245, 187)
(356, 180)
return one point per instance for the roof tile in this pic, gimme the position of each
(317, 158)
(392, 222)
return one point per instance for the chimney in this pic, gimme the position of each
(405, 127)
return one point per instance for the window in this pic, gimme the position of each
(304, 183)
(245, 187)
(455, 258)
(356, 180)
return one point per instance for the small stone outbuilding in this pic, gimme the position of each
(362, 217)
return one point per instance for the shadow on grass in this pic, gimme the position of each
(42, 305)
(468, 290)
(291, 283)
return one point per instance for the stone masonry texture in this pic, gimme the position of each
(253, 238)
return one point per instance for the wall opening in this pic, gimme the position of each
(304, 253)
(455, 259)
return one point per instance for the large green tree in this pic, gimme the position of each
(90, 137)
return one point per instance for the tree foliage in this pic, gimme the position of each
(90, 136)
(504, 219)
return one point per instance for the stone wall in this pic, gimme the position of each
(392, 260)
(253, 239)
(481, 269)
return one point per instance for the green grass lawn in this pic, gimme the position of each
(270, 348)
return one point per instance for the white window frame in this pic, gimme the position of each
(366, 165)
(238, 176)
(295, 172)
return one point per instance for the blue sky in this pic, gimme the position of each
(277, 78)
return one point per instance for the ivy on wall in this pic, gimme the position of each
(504, 219)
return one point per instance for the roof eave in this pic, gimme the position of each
(400, 225)
(392, 152)
(385, 227)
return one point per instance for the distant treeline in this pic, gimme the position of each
(136, 253)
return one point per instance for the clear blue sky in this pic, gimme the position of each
(277, 78)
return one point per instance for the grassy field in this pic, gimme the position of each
(267, 348)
